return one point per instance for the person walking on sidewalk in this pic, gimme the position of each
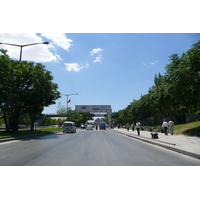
(165, 126)
(138, 124)
(171, 127)
(127, 127)
(132, 125)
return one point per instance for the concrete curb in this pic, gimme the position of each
(152, 141)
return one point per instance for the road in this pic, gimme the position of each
(89, 148)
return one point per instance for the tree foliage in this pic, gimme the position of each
(26, 88)
(175, 93)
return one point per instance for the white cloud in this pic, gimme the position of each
(59, 39)
(98, 58)
(94, 51)
(58, 57)
(75, 67)
(153, 63)
(36, 53)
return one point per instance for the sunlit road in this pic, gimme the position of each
(88, 148)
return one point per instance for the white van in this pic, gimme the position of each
(69, 127)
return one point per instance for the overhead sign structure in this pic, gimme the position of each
(93, 108)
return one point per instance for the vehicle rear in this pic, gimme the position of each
(102, 125)
(89, 127)
(69, 127)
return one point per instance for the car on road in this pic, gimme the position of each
(83, 126)
(89, 127)
(69, 127)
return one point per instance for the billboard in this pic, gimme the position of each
(93, 108)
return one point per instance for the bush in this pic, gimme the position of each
(1, 121)
(197, 114)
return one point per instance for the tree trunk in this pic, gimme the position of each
(32, 124)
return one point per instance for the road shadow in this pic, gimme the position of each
(45, 136)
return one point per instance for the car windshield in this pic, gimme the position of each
(67, 124)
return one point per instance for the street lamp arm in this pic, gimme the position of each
(34, 44)
(24, 45)
(11, 44)
(18, 45)
(70, 94)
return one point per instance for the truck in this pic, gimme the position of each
(102, 125)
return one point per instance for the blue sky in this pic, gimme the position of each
(103, 68)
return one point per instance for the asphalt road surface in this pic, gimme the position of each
(89, 148)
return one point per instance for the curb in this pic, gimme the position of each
(148, 140)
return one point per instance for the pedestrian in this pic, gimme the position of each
(132, 125)
(96, 127)
(127, 127)
(138, 124)
(165, 126)
(171, 127)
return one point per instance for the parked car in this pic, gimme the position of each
(89, 127)
(69, 127)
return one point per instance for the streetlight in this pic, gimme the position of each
(25, 45)
(67, 98)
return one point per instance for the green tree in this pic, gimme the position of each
(183, 77)
(25, 87)
(174, 94)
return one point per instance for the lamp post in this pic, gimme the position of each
(67, 99)
(25, 45)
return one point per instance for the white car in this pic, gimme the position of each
(83, 126)
(69, 127)
(89, 127)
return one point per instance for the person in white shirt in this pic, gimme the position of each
(138, 124)
(165, 126)
(171, 127)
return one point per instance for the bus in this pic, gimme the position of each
(102, 125)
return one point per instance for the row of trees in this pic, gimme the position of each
(77, 118)
(25, 89)
(176, 93)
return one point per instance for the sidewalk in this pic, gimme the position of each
(188, 145)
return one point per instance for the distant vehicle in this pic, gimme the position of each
(102, 125)
(83, 126)
(89, 127)
(69, 127)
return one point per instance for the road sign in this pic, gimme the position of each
(93, 108)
